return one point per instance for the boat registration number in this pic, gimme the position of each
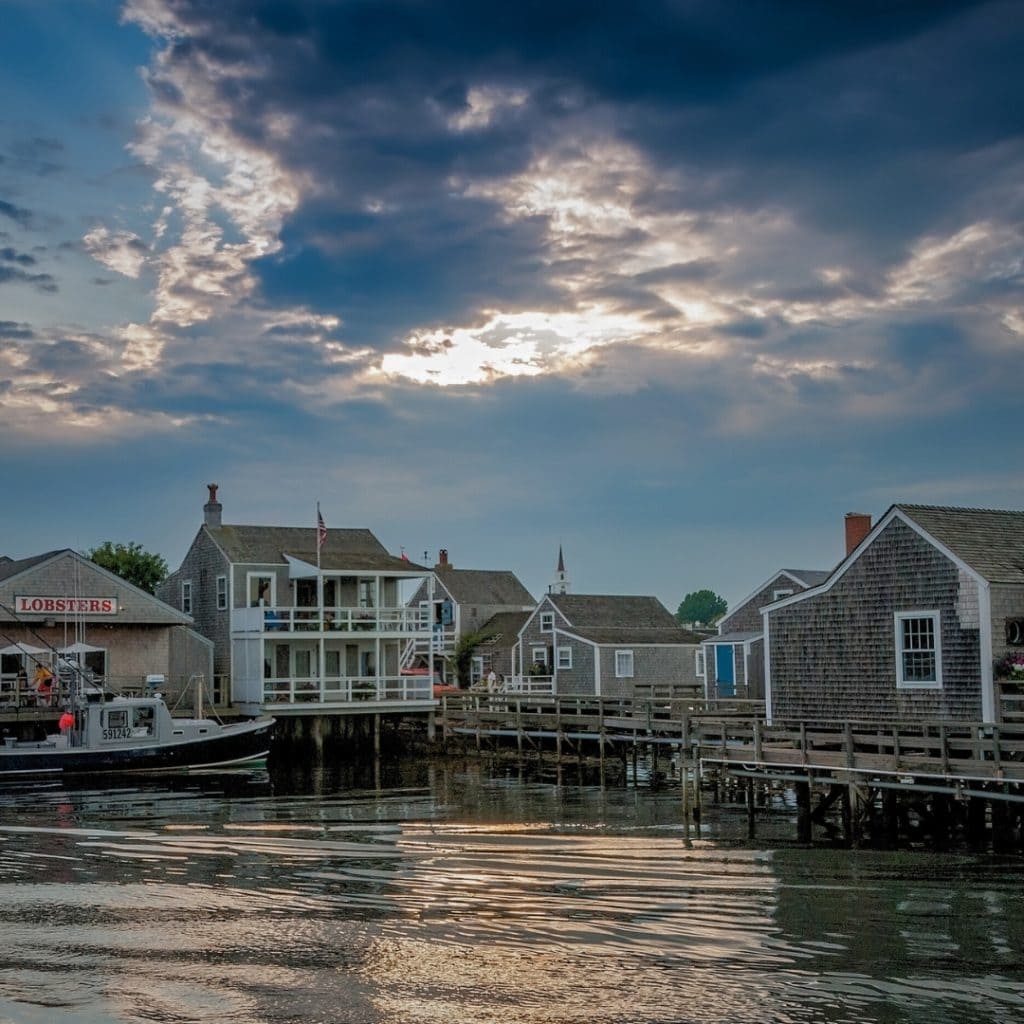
(117, 734)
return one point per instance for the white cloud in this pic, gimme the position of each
(120, 251)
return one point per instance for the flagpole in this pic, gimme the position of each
(322, 660)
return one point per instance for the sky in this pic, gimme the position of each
(674, 285)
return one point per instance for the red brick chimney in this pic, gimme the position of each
(442, 559)
(213, 508)
(858, 526)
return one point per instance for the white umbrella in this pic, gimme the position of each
(79, 648)
(23, 649)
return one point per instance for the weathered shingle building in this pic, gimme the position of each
(300, 617)
(605, 645)
(60, 601)
(908, 626)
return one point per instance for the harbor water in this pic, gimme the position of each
(449, 891)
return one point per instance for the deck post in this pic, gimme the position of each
(376, 735)
(751, 820)
(803, 810)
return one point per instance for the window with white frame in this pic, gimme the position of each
(918, 650)
(222, 593)
(186, 596)
(623, 664)
(565, 657)
(539, 656)
(698, 660)
(547, 622)
(778, 595)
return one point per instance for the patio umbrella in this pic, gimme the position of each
(23, 649)
(78, 648)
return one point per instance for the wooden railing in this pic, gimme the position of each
(734, 732)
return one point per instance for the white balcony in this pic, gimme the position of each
(400, 621)
(346, 689)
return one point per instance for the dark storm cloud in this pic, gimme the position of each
(41, 282)
(16, 213)
(16, 331)
(11, 255)
(863, 120)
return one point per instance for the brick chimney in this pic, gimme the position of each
(858, 526)
(442, 559)
(213, 508)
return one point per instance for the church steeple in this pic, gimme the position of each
(561, 584)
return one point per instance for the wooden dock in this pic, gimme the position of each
(852, 767)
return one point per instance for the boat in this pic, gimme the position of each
(103, 733)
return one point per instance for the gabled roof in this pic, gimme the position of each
(614, 619)
(484, 586)
(344, 549)
(12, 567)
(135, 605)
(990, 541)
(609, 636)
(503, 628)
(615, 611)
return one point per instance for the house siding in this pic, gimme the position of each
(746, 618)
(202, 564)
(833, 655)
(577, 681)
(1007, 602)
(652, 666)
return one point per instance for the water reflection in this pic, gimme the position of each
(428, 892)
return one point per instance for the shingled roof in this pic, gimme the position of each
(344, 549)
(990, 541)
(484, 586)
(614, 619)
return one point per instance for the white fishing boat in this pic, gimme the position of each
(100, 733)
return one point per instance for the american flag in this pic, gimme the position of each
(321, 529)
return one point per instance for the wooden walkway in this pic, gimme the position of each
(956, 756)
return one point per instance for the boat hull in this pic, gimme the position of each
(232, 745)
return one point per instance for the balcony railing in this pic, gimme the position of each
(402, 620)
(529, 684)
(346, 689)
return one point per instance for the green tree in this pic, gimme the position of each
(463, 656)
(701, 606)
(131, 562)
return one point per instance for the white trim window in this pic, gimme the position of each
(539, 656)
(623, 664)
(222, 593)
(781, 592)
(918, 650)
(547, 622)
(564, 657)
(698, 663)
(186, 596)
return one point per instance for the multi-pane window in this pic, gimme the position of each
(565, 657)
(547, 622)
(222, 593)
(539, 655)
(186, 596)
(698, 657)
(623, 664)
(918, 653)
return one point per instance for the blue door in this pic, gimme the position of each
(724, 672)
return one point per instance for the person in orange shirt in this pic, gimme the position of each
(43, 684)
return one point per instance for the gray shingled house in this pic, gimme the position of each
(60, 601)
(908, 626)
(731, 664)
(610, 646)
(292, 625)
(462, 603)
